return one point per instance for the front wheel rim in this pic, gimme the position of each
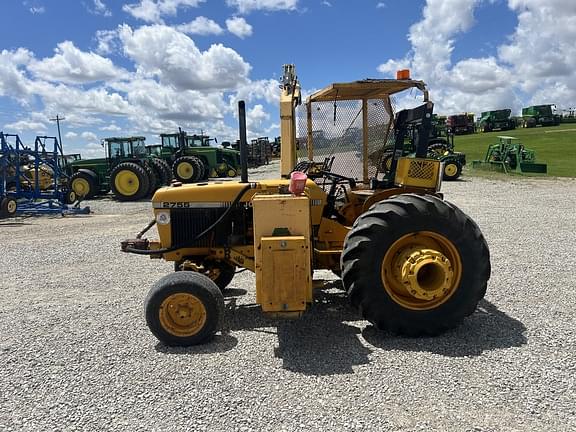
(182, 315)
(81, 186)
(11, 207)
(422, 270)
(450, 170)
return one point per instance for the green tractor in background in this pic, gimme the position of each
(440, 146)
(192, 158)
(539, 115)
(509, 155)
(496, 120)
(127, 169)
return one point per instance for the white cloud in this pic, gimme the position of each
(89, 136)
(381, 5)
(100, 8)
(25, 125)
(153, 10)
(174, 58)
(173, 83)
(327, 3)
(255, 118)
(37, 10)
(13, 79)
(111, 127)
(89, 151)
(107, 41)
(71, 65)
(541, 64)
(64, 99)
(247, 6)
(267, 90)
(239, 27)
(201, 26)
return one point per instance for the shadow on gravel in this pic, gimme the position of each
(220, 343)
(485, 330)
(322, 342)
(318, 343)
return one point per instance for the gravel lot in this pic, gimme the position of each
(75, 352)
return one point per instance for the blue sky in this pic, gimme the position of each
(148, 66)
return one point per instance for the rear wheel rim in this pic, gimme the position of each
(182, 314)
(81, 186)
(185, 170)
(422, 270)
(127, 183)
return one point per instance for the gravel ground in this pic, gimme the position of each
(75, 353)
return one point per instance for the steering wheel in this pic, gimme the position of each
(338, 179)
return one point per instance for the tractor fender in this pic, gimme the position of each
(89, 172)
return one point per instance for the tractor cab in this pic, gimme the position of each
(124, 148)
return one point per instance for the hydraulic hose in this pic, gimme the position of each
(199, 236)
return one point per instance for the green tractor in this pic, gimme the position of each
(539, 115)
(192, 158)
(127, 169)
(496, 120)
(440, 147)
(508, 155)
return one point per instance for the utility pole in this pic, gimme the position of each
(57, 120)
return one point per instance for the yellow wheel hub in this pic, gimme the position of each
(185, 170)
(232, 173)
(450, 169)
(421, 271)
(11, 207)
(127, 182)
(81, 187)
(182, 314)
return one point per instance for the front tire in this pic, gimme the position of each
(184, 308)
(84, 183)
(8, 207)
(415, 265)
(452, 170)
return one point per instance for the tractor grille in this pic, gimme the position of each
(189, 222)
(421, 169)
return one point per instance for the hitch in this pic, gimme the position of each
(138, 243)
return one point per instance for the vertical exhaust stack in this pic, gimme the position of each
(243, 144)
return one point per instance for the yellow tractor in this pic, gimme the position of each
(410, 262)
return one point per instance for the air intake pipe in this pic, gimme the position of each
(243, 143)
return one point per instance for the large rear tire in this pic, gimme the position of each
(415, 265)
(184, 308)
(153, 180)
(129, 181)
(163, 171)
(84, 183)
(438, 149)
(188, 169)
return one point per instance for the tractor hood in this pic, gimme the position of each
(221, 193)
